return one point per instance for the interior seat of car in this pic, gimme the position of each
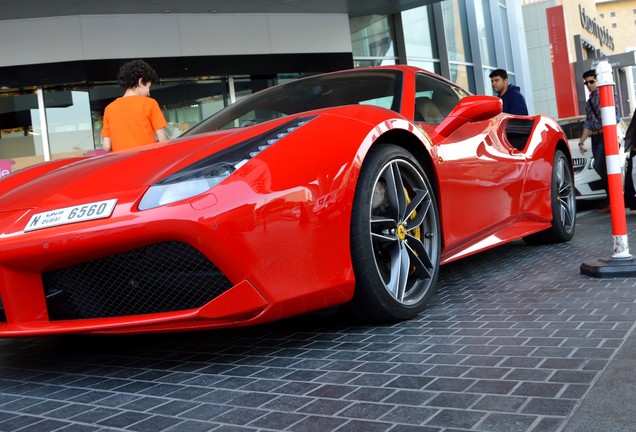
(426, 111)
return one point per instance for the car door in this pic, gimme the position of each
(480, 174)
(481, 181)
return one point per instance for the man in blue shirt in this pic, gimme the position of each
(513, 100)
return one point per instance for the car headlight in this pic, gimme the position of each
(203, 175)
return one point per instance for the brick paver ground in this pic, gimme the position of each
(515, 339)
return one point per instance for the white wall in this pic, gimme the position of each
(539, 58)
(522, 64)
(90, 37)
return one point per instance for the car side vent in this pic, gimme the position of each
(164, 277)
(3, 315)
(518, 132)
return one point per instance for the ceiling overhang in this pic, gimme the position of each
(28, 9)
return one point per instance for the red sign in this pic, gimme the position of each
(562, 69)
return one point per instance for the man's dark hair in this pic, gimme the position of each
(499, 73)
(590, 73)
(129, 74)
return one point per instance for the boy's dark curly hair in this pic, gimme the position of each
(130, 73)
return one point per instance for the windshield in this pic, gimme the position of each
(365, 87)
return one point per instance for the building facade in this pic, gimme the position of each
(620, 16)
(58, 70)
(567, 38)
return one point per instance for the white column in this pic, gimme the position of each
(44, 130)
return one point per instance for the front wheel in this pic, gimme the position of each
(563, 201)
(395, 237)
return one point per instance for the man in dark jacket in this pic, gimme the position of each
(513, 100)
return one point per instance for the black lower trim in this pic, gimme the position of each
(164, 277)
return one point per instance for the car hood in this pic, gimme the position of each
(124, 175)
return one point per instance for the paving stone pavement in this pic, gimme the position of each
(515, 339)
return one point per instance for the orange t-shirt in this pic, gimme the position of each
(131, 121)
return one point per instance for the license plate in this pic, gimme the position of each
(69, 215)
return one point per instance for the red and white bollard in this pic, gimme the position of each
(621, 263)
(605, 83)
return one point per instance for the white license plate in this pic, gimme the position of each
(69, 215)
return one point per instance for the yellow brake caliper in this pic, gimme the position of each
(416, 232)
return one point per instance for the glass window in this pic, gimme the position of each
(100, 95)
(486, 77)
(20, 133)
(458, 44)
(419, 38)
(484, 29)
(505, 26)
(419, 34)
(372, 40)
(69, 122)
(186, 102)
(456, 31)
(463, 75)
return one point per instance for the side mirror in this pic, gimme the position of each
(470, 109)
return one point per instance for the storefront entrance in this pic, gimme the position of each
(39, 124)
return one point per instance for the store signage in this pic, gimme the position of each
(600, 32)
(617, 61)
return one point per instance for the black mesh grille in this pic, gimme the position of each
(518, 141)
(164, 277)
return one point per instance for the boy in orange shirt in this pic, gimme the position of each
(134, 119)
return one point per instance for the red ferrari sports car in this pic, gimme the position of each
(342, 189)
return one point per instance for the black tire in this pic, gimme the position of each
(563, 202)
(395, 237)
